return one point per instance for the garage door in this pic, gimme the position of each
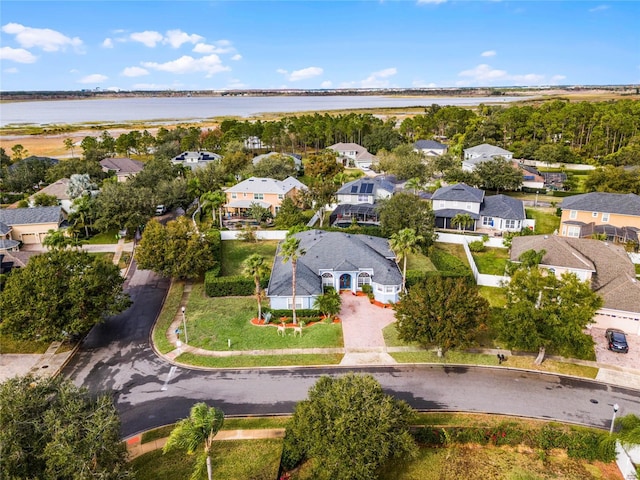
(29, 238)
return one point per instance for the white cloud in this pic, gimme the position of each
(134, 72)
(44, 38)
(486, 75)
(10, 70)
(433, 2)
(148, 38)
(375, 80)
(219, 47)
(93, 78)
(282, 71)
(599, 8)
(176, 38)
(19, 55)
(236, 57)
(558, 78)
(305, 73)
(488, 53)
(210, 64)
(107, 43)
(326, 84)
(235, 84)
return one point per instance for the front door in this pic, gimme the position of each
(345, 281)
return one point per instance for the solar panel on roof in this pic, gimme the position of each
(369, 187)
(354, 189)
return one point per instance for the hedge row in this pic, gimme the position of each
(237, 285)
(562, 193)
(300, 312)
(445, 262)
(579, 442)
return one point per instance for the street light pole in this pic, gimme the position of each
(616, 407)
(184, 326)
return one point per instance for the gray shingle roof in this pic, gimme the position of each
(429, 144)
(359, 185)
(460, 192)
(614, 279)
(28, 216)
(122, 165)
(266, 185)
(4, 228)
(503, 206)
(333, 251)
(622, 203)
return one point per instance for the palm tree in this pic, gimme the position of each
(403, 243)
(190, 433)
(290, 250)
(463, 220)
(255, 267)
(413, 184)
(216, 199)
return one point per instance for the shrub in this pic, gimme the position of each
(476, 246)
(227, 286)
(292, 453)
(300, 313)
(215, 244)
(445, 262)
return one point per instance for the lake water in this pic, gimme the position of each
(158, 109)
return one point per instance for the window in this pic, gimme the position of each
(379, 288)
(364, 279)
(277, 210)
(573, 214)
(442, 203)
(327, 280)
(573, 231)
(290, 303)
(487, 221)
(468, 207)
(280, 196)
(594, 214)
(258, 196)
(234, 195)
(389, 289)
(363, 198)
(605, 217)
(509, 224)
(564, 230)
(552, 271)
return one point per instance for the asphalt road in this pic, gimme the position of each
(149, 392)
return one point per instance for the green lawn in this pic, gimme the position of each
(418, 261)
(495, 296)
(168, 313)
(9, 345)
(492, 261)
(213, 321)
(234, 252)
(253, 361)
(453, 249)
(546, 220)
(103, 238)
(637, 265)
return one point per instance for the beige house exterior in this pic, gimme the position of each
(30, 225)
(614, 214)
(606, 266)
(266, 192)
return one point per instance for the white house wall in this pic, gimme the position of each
(472, 207)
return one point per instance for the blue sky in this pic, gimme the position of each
(188, 45)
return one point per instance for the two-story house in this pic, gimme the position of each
(352, 154)
(615, 215)
(195, 160)
(482, 153)
(357, 200)
(497, 213)
(605, 266)
(266, 192)
(29, 225)
(430, 148)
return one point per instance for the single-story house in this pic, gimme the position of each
(30, 225)
(339, 260)
(266, 192)
(531, 177)
(124, 168)
(483, 153)
(615, 214)
(430, 148)
(352, 154)
(605, 265)
(195, 160)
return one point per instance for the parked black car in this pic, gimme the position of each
(617, 340)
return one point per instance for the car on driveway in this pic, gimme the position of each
(616, 340)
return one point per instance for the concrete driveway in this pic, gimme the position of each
(607, 357)
(362, 325)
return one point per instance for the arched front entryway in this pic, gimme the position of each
(345, 281)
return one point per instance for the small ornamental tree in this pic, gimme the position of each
(442, 312)
(329, 303)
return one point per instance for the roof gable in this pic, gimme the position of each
(460, 192)
(621, 203)
(503, 206)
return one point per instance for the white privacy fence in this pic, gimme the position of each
(625, 463)
(482, 278)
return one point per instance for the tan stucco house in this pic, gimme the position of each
(124, 168)
(605, 265)
(29, 225)
(615, 215)
(266, 192)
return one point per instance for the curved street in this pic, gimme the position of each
(150, 391)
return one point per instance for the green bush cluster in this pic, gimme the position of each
(579, 442)
(562, 193)
(215, 244)
(476, 246)
(445, 262)
(300, 313)
(236, 285)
